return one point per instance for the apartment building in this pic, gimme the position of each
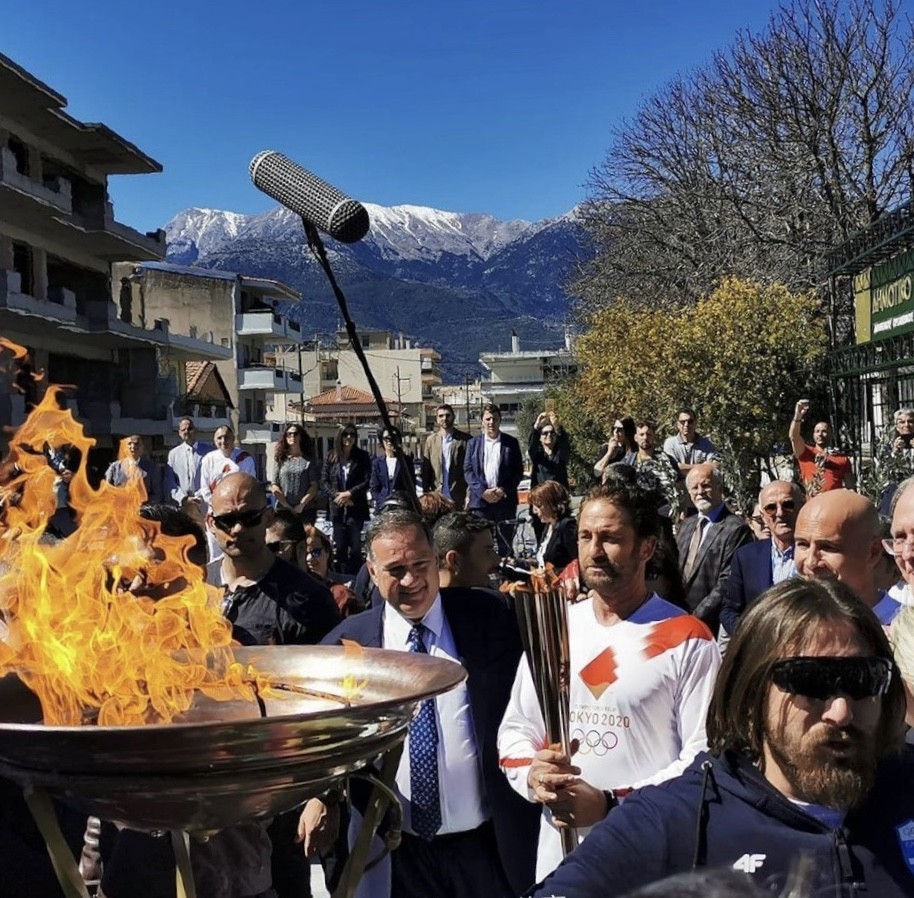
(239, 314)
(519, 375)
(58, 241)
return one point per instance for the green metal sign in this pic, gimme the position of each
(884, 299)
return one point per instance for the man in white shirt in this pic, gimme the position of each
(465, 832)
(183, 469)
(225, 459)
(641, 675)
(494, 468)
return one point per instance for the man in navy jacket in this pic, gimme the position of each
(805, 761)
(486, 840)
(759, 565)
(494, 468)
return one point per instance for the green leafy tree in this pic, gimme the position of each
(739, 357)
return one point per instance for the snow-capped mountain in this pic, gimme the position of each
(413, 269)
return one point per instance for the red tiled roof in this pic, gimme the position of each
(345, 396)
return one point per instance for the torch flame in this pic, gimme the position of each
(89, 649)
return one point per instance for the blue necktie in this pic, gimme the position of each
(425, 804)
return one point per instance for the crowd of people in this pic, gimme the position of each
(739, 679)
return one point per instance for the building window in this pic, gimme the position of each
(22, 265)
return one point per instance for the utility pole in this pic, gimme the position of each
(466, 381)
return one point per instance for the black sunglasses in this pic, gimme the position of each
(225, 522)
(772, 507)
(547, 433)
(281, 544)
(823, 678)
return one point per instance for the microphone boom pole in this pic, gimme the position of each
(407, 478)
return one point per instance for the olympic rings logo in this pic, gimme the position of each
(594, 742)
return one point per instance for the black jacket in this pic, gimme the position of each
(356, 483)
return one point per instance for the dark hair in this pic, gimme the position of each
(552, 496)
(176, 523)
(455, 532)
(289, 524)
(493, 408)
(281, 452)
(685, 410)
(391, 432)
(394, 521)
(781, 622)
(628, 433)
(337, 452)
(444, 405)
(434, 506)
(642, 506)
(663, 566)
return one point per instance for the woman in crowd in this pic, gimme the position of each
(295, 480)
(344, 481)
(309, 550)
(621, 446)
(558, 544)
(386, 468)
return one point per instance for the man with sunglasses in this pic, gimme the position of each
(267, 600)
(689, 448)
(760, 564)
(805, 769)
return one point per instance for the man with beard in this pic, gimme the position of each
(641, 673)
(822, 467)
(707, 542)
(805, 762)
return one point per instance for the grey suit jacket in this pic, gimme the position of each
(707, 583)
(433, 469)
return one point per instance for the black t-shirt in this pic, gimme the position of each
(286, 606)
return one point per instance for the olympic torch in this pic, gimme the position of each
(541, 614)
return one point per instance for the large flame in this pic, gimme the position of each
(88, 648)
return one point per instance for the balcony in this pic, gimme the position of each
(267, 323)
(206, 417)
(265, 433)
(55, 193)
(269, 379)
(60, 305)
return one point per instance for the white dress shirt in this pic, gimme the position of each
(492, 460)
(463, 804)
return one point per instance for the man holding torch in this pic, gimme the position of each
(640, 679)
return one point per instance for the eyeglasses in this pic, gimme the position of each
(895, 545)
(386, 439)
(293, 433)
(772, 507)
(225, 522)
(822, 678)
(280, 545)
(315, 553)
(618, 429)
(757, 519)
(547, 433)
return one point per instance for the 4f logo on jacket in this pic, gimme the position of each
(906, 841)
(749, 863)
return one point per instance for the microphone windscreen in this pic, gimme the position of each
(309, 196)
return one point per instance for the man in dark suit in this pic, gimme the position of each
(466, 832)
(707, 542)
(763, 563)
(494, 468)
(443, 458)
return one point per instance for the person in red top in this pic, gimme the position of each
(822, 467)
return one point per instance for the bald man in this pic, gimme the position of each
(837, 537)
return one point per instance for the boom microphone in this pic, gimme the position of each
(317, 202)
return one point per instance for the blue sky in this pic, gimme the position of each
(501, 106)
